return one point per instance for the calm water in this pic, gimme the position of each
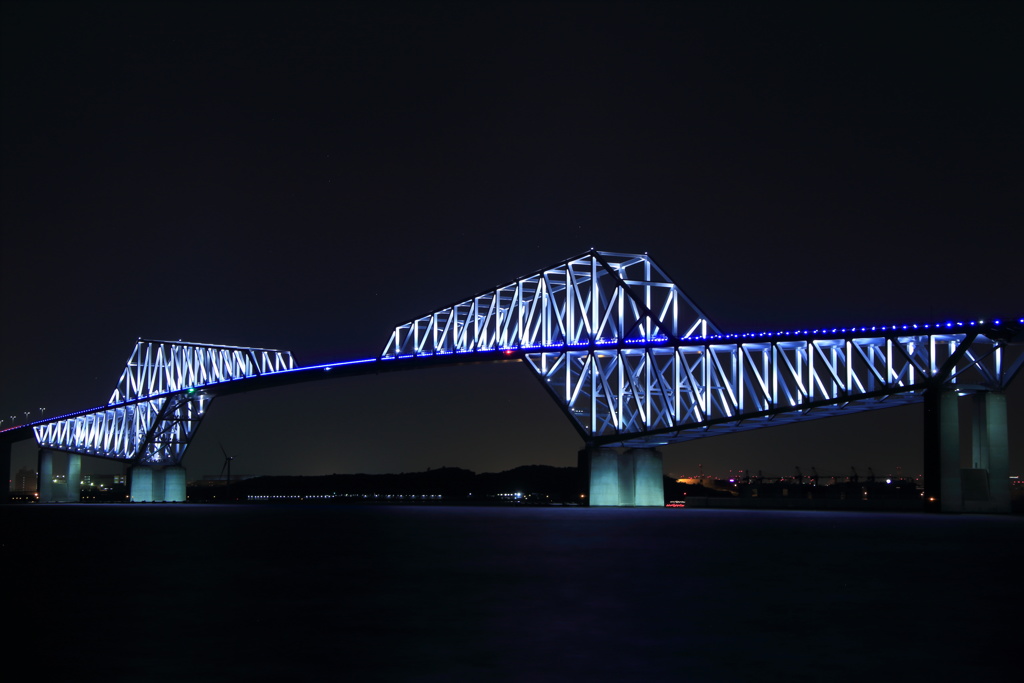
(240, 593)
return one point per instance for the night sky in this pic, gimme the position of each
(307, 176)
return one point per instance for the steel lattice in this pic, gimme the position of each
(599, 297)
(159, 401)
(633, 362)
(668, 393)
(625, 352)
(160, 367)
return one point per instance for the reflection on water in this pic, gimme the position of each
(253, 593)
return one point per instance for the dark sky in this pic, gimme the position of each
(307, 176)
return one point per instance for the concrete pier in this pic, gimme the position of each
(44, 484)
(949, 487)
(990, 455)
(141, 484)
(73, 482)
(5, 465)
(67, 491)
(157, 495)
(174, 484)
(633, 478)
(157, 485)
(649, 477)
(942, 491)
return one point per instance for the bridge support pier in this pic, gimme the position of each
(68, 491)
(985, 486)
(633, 478)
(140, 486)
(5, 464)
(73, 482)
(174, 484)
(157, 485)
(44, 483)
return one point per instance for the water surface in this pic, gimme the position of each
(271, 593)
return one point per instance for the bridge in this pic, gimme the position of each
(631, 361)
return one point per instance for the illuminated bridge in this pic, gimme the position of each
(630, 359)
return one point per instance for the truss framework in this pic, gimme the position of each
(158, 402)
(632, 361)
(627, 355)
(661, 394)
(161, 367)
(597, 297)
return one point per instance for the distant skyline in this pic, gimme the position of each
(308, 175)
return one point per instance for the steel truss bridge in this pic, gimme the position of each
(627, 355)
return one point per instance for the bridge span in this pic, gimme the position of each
(628, 357)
